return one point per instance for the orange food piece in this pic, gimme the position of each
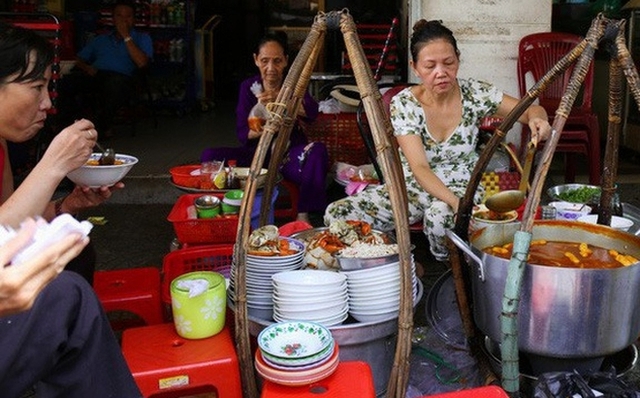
(255, 123)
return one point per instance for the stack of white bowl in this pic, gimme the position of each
(296, 353)
(259, 270)
(310, 295)
(374, 293)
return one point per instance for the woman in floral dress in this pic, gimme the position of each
(436, 124)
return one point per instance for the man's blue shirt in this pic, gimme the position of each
(108, 52)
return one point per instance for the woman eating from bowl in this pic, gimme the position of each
(25, 72)
(436, 124)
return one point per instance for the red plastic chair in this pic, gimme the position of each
(538, 53)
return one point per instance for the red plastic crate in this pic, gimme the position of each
(220, 229)
(216, 258)
(339, 132)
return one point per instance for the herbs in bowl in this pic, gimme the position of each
(575, 193)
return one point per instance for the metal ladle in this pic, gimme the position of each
(108, 157)
(506, 201)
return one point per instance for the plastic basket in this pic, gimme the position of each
(220, 229)
(216, 258)
(339, 132)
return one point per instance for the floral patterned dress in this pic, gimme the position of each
(452, 161)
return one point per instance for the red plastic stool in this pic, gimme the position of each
(290, 198)
(164, 364)
(480, 392)
(351, 379)
(136, 290)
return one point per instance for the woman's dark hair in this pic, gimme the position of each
(425, 31)
(19, 48)
(278, 37)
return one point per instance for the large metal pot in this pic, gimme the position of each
(564, 312)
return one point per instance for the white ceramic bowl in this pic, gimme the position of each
(319, 310)
(327, 321)
(363, 308)
(297, 376)
(375, 317)
(570, 211)
(312, 315)
(380, 271)
(305, 278)
(292, 340)
(620, 223)
(98, 176)
(308, 295)
(319, 301)
(479, 221)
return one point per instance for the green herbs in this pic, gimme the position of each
(579, 195)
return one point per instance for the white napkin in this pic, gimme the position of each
(46, 234)
(195, 287)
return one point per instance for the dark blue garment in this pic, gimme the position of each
(64, 346)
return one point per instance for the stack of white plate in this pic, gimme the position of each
(296, 353)
(374, 293)
(259, 270)
(310, 295)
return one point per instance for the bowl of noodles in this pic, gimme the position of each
(94, 175)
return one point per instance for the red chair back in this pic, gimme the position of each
(390, 93)
(538, 53)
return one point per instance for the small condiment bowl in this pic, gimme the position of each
(570, 211)
(229, 209)
(480, 218)
(233, 197)
(207, 206)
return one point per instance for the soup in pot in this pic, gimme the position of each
(567, 254)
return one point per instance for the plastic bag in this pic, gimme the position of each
(572, 384)
(257, 117)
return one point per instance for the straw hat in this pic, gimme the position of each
(347, 95)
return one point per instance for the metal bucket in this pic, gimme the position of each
(564, 312)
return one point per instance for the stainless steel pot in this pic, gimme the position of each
(564, 312)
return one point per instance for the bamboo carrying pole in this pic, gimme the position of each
(601, 29)
(382, 131)
(280, 122)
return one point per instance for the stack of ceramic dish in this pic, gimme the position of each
(374, 293)
(259, 270)
(310, 295)
(296, 353)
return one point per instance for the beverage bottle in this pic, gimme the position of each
(232, 183)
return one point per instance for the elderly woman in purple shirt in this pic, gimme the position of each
(305, 164)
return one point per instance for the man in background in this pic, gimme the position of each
(106, 69)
